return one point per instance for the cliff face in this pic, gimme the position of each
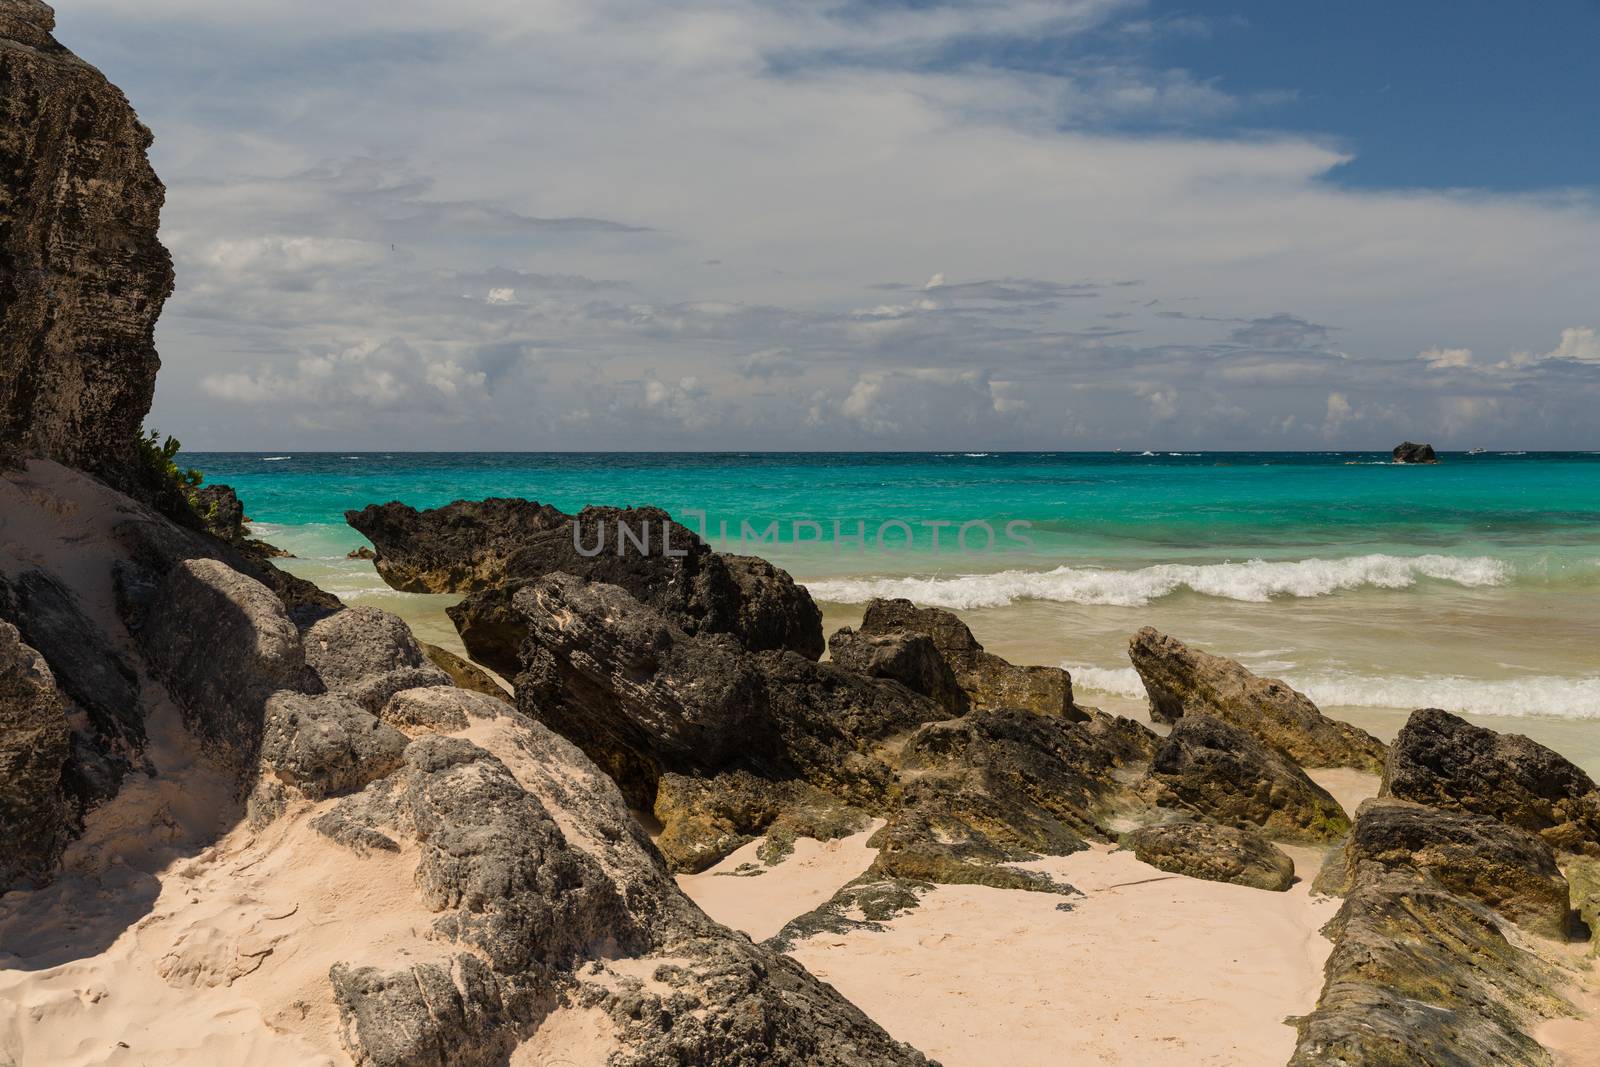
(82, 275)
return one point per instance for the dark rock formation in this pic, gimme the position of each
(368, 655)
(912, 659)
(1219, 772)
(1443, 760)
(1421, 976)
(1001, 787)
(361, 553)
(1411, 452)
(325, 745)
(221, 670)
(109, 733)
(704, 819)
(1215, 853)
(489, 548)
(82, 275)
(219, 511)
(1183, 681)
(643, 697)
(1510, 870)
(1583, 882)
(34, 745)
(992, 682)
(464, 673)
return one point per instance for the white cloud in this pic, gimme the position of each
(1445, 358)
(1578, 343)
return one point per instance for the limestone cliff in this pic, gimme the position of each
(82, 274)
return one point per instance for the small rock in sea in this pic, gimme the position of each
(1411, 452)
(362, 553)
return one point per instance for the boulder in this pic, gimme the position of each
(481, 547)
(1219, 772)
(84, 273)
(110, 733)
(912, 659)
(1473, 856)
(368, 655)
(439, 709)
(1583, 881)
(1442, 760)
(1215, 853)
(705, 819)
(223, 644)
(990, 681)
(464, 672)
(219, 511)
(35, 743)
(1411, 452)
(1419, 975)
(326, 746)
(642, 697)
(1183, 681)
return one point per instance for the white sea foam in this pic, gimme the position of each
(1255, 581)
(1535, 695)
(273, 459)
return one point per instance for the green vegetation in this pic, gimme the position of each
(159, 459)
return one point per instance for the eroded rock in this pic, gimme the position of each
(990, 681)
(326, 746)
(1220, 772)
(35, 814)
(1215, 853)
(368, 655)
(1442, 760)
(464, 673)
(1411, 452)
(912, 659)
(1184, 681)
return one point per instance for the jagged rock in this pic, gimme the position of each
(1215, 853)
(464, 673)
(363, 552)
(453, 1012)
(222, 643)
(1183, 681)
(1420, 976)
(84, 276)
(438, 709)
(1222, 773)
(480, 548)
(643, 698)
(462, 548)
(108, 736)
(991, 682)
(912, 659)
(1583, 882)
(1411, 452)
(368, 655)
(1510, 870)
(704, 819)
(325, 745)
(1442, 760)
(34, 747)
(219, 511)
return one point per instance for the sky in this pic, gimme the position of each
(856, 224)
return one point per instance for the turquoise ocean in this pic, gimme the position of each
(1473, 585)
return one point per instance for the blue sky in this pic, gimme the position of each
(746, 224)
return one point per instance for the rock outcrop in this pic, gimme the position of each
(488, 549)
(1411, 452)
(1217, 771)
(1509, 870)
(82, 274)
(464, 673)
(1442, 760)
(1215, 853)
(991, 682)
(912, 659)
(368, 656)
(34, 746)
(1183, 681)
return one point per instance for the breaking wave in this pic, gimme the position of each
(1255, 581)
(1536, 695)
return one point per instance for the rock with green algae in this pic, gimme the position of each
(705, 819)
(1219, 772)
(1507, 869)
(1214, 853)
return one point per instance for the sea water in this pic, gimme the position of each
(1375, 588)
